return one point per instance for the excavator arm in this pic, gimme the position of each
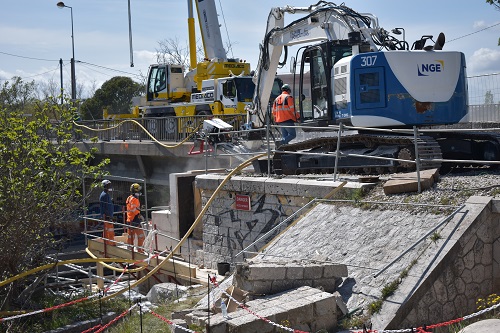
(323, 21)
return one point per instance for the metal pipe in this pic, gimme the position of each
(446, 219)
(337, 153)
(417, 160)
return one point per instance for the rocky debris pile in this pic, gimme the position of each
(451, 189)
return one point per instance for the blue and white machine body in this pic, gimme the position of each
(400, 88)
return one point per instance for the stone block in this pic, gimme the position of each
(253, 185)
(266, 272)
(208, 182)
(330, 271)
(327, 323)
(179, 324)
(313, 272)
(278, 286)
(233, 184)
(284, 186)
(328, 285)
(294, 272)
(260, 287)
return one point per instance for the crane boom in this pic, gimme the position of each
(210, 31)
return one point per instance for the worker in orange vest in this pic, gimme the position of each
(107, 209)
(284, 114)
(134, 217)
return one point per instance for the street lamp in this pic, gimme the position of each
(61, 5)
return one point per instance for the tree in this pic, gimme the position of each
(41, 175)
(115, 95)
(171, 52)
(495, 3)
(18, 95)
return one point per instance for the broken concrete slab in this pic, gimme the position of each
(408, 182)
(305, 308)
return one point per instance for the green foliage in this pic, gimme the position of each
(115, 95)
(389, 289)
(436, 236)
(18, 95)
(375, 307)
(51, 320)
(41, 175)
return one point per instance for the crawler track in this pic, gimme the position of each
(300, 158)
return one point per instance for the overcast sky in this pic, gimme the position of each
(35, 34)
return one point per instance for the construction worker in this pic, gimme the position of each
(107, 209)
(284, 114)
(134, 217)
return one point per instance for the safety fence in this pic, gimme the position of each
(212, 281)
(169, 129)
(484, 98)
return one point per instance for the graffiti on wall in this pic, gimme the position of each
(264, 216)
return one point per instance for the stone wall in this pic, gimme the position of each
(269, 278)
(227, 230)
(469, 269)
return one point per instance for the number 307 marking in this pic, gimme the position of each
(368, 61)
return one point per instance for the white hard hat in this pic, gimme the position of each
(105, 182)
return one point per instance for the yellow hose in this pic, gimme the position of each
(143, 128)
(120, 270)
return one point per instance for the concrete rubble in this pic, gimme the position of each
(298, 295)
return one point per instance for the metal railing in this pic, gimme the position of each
(168, 129)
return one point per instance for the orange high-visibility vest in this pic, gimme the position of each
(133, 205)
(284, 108)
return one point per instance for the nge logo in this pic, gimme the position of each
(427, 69)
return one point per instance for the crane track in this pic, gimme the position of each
(401, 147)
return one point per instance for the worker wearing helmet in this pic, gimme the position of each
(107, 209)
(134, 217)
(284, 114)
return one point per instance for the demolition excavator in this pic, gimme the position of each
(351, 71)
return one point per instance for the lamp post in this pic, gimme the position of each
(61, 5)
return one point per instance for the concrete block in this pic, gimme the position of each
(329, 285)
(294, 272)
(179, 325)
(208, 182)
(253, 185)
(278, 286)
(284, 186)
(330, 271)
(327, 323)
(313, 272)
(265, 271)
(233, 184)
(324, 303)
(260, 287)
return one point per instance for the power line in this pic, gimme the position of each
(109, 69)
(24, 57)
(475, 32)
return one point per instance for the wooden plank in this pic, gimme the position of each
(181, 267)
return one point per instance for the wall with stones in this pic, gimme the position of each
(469, 269)
(227, 230)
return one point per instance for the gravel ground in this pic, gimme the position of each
(453, 188)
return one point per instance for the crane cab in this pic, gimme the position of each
(166, 82)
